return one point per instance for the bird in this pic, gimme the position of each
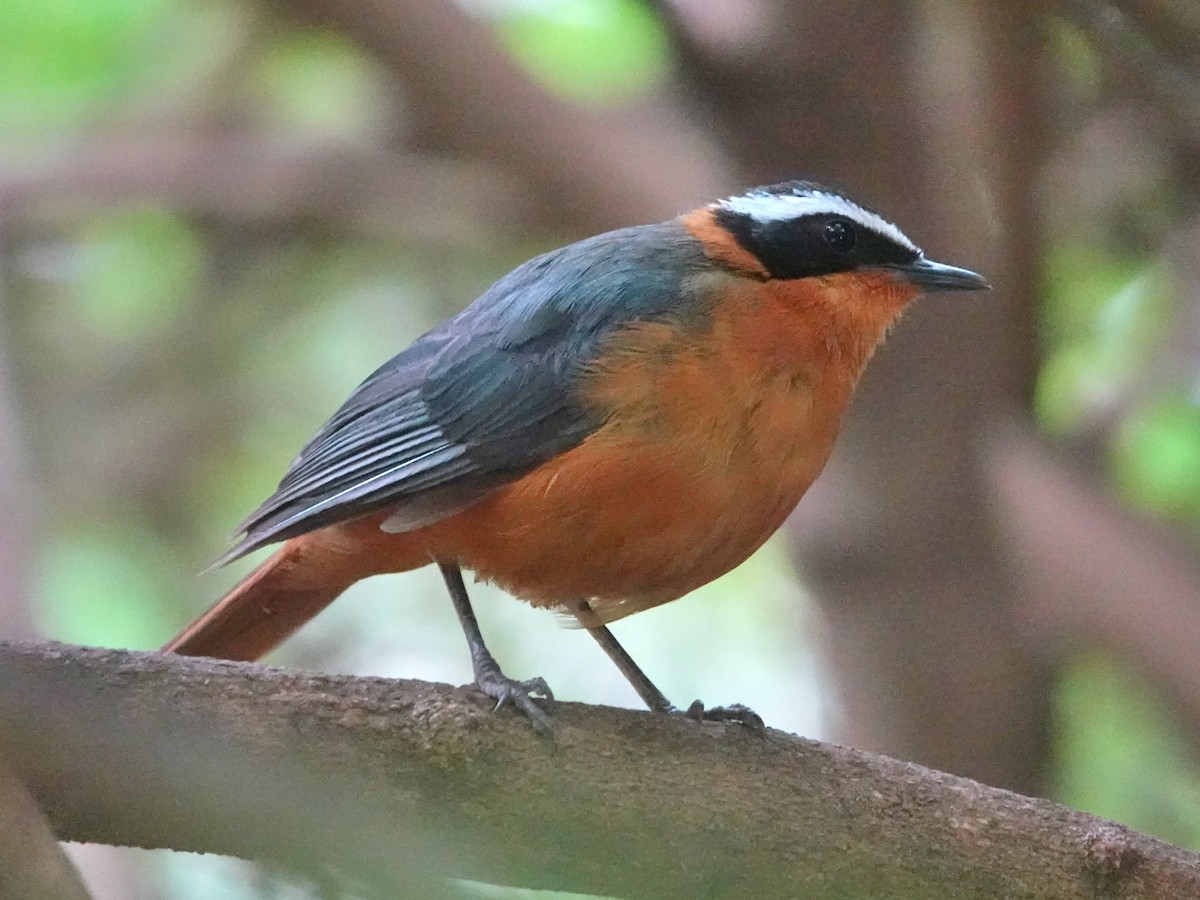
(608, 427)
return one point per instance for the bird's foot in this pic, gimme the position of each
(743, 715)
(505, 690)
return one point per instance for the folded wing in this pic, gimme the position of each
(478, 401)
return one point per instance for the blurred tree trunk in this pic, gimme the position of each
(896, 102)
(18, 521)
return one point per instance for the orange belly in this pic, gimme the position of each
(627, 524)
(712, 437)
(710, 443)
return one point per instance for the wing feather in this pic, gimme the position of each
(484, 397)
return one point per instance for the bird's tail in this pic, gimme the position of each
(263, 609)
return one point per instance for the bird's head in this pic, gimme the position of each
(837, 274)
(797, 229)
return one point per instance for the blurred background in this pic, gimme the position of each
(218, 216)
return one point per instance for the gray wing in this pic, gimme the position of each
(483, 398)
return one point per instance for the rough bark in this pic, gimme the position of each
(399, 782)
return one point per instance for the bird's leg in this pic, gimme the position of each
(651, 695)
(488, 677)
(655, 699)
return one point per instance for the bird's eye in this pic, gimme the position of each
(840, 236)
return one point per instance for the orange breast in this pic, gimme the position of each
(714, 433)
(632, 519)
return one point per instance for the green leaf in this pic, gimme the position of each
(1155, 459)
(588, 50)
(1076, 55)
(1102, 316)
(103, 588)
(59, 57)
(135, 269)
(1123, 755)
(1090, 291)
(319, 84)
(1074, 380)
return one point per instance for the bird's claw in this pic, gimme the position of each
(505, 690)
(737, 712)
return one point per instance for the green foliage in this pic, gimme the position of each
(1156, 457)
(589, 50)
(1102, 315)
(105, 587)
(1122, 754)
(59, 57)
(314, 84)
(1077, 57)
(1106, 315)
(135, 268)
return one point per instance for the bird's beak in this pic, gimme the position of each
(936, 276)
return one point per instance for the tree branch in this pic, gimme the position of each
(245, 175)
(402, 781)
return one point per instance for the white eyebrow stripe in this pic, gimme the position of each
(781, 207)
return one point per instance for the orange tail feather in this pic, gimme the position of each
(261, 611)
